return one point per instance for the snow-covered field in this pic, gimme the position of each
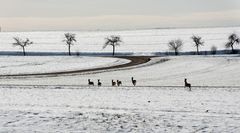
(12, 65)
(159, 103)
(137, 41)
(66, 104)
(199, 70)
(110, 109)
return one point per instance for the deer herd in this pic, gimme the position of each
(117, 83)
(134, 83)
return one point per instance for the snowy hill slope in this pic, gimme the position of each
(199, 70)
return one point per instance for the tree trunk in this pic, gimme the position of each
(176, 53)
(24, 51)
(197, 50)
(232, 49)
(69, 50)
(113, 50)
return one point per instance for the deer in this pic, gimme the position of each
(134, 82)
(113, 83)
(119, 83)
(187, 84)
(90, 83)
(99, 83)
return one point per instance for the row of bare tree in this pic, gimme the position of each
(177, 44)
(114, 41)
(69, 39)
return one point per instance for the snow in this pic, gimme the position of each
(199, 70)
(12, 65)
(111, 109)
(159, 103)
(142, 41)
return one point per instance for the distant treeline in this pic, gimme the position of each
(218, 52)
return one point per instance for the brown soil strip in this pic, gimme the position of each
(134, 60)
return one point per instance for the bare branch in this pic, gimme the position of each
(175, 45)
(113, 41)
(70, 38)
(21, 43)
(197, 40)
(232, 39)
(18, 42)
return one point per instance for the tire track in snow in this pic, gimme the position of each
(134, 61)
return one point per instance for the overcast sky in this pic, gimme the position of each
(27, 15)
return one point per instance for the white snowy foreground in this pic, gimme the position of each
(110, 109)
(65, 103)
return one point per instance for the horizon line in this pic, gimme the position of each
(127, 29)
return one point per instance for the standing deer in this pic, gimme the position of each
(119, 83)
(90, 83)
(113, 83)
(187, 84)
(99, 83)
(134, 82)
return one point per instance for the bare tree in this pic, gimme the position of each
(70, 38)
(232, 39)
(21, 43)
(113, 41)
(198, 42)
(175, 45)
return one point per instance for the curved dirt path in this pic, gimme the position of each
(134, 61)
